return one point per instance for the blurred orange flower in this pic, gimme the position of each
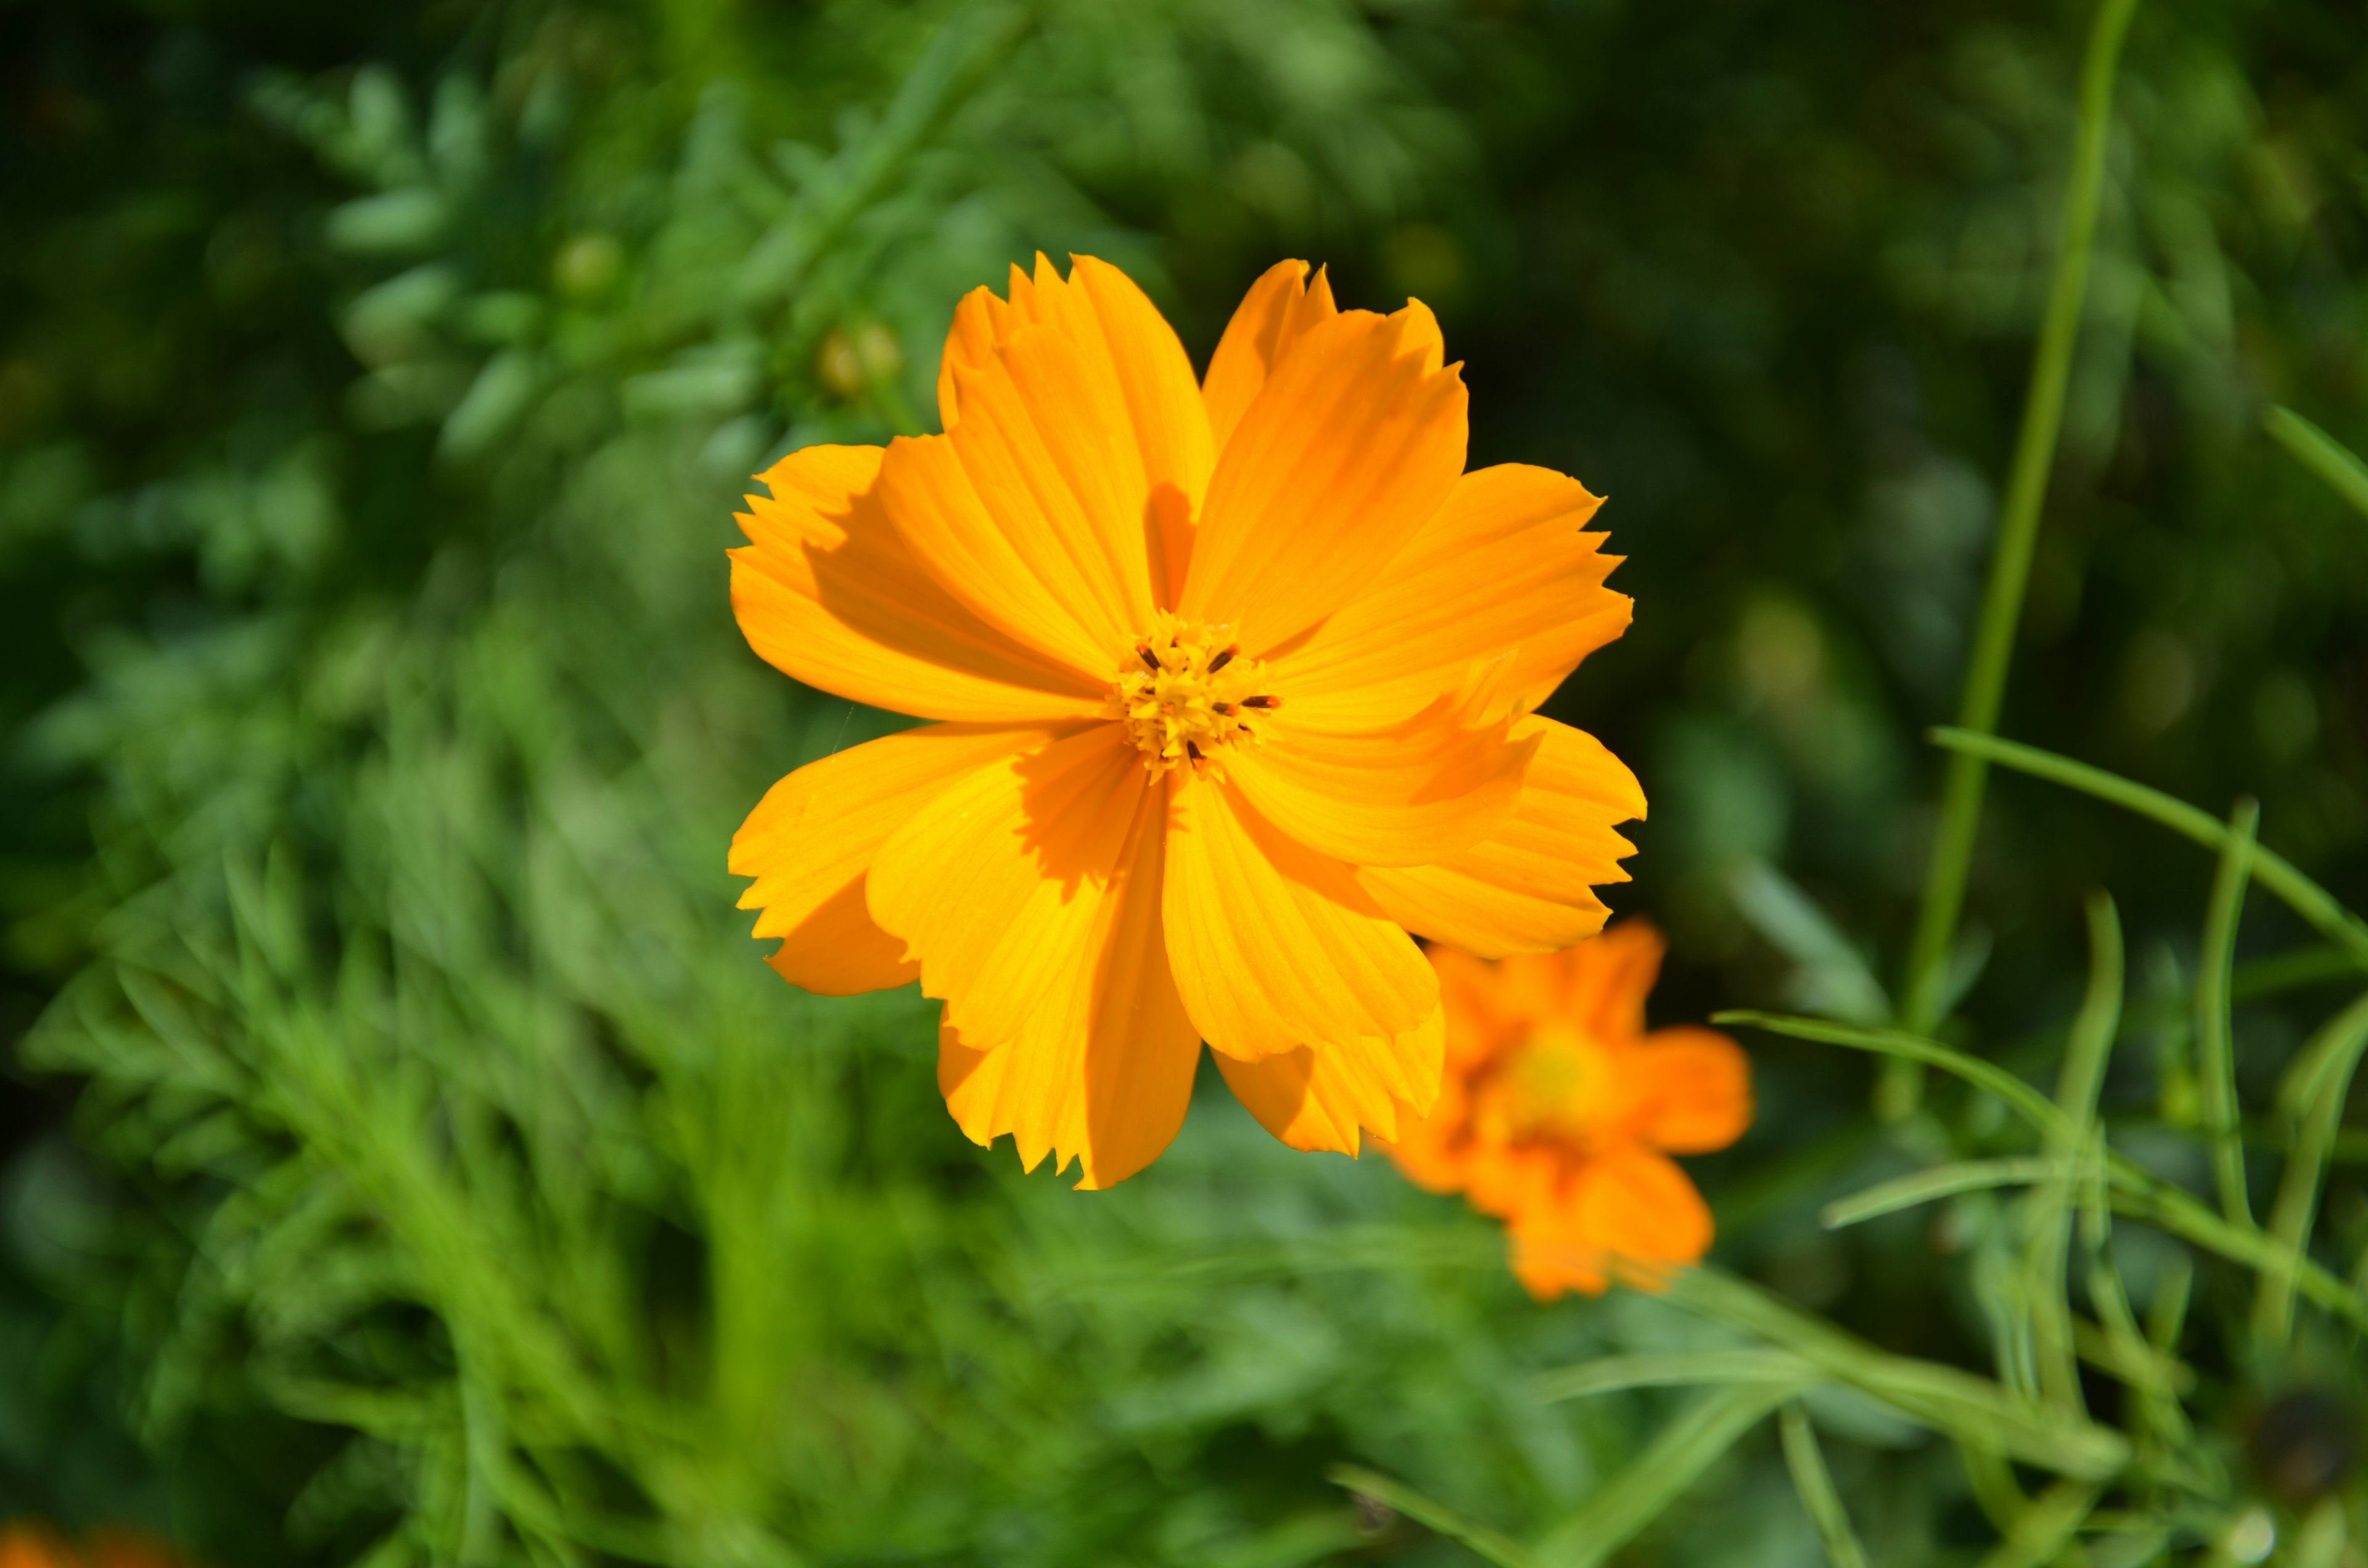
(1235, 680)
(29, 1544)
(1558, 1112)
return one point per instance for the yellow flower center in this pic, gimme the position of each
(1556, 1088)
(1188, 696)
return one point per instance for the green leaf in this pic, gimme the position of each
(1672, 1369)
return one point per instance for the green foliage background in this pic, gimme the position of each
(406, 1158)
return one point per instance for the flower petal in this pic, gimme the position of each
(811, 840)
(1408, 795)
(1691, 1089)
(1101, 1068)
(827, 593)
(1629, 1206)
(1347, 451)
(1274, 946)
(1080, 436)
(994, 883)
(1273, 317)
(1529, 887)
(1502, 567)
(1317, 1097)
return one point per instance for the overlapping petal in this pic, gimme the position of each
(1350, 447)
(1631, 1215)
(1076, 435)
(1101, 1067)
(1274, 946)
(1280, 309)
(1501, 571)
(827, 592)
(1407, 795)
(1320, 1098)
(1530, 887)
(995, 883)
(811, 841)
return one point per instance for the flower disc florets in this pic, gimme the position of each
(1188, 696)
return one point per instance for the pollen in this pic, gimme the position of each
(1188, 697)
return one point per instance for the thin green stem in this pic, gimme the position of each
(2273, 871)
(2318, 1085)
(2050, 1207)
(1494, 1545)
(2035, 456)
(2319, 452)
(2215, 1049)
(1816, 1485)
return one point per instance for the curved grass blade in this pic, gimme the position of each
(2314, 1092)
(1946, 1399)
(1671, 1370)
(2319, 452)
(1494, 1545)
(2135, 1191)
(1816, 1485)
(2049, 1210)
(1936, 1183)
(1687, 1447)
(2273, 871)
(2216, 1049)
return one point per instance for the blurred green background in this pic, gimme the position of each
(403, 1155)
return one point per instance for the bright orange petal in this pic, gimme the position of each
(1348, 449)
(1408, 795)
(982, 323)
(827, 592)
(995, 883)
(1501, 569)
(1317, 1097)
(1081, 435)
(1630, 1205)
(812, 838)
(1274, 946)
(1609, 979)
(1530, 887)
(1690, 1088)
(1101, 1067)
(1273, 317)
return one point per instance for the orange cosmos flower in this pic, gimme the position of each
(29, 1544)
(1559, 1112)
(1235, 683)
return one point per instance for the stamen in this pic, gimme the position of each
(1220, 661)
(1183, 698)
(1266, 702)
(1192, 750)
(1150, 660)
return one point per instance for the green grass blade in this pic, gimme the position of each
(1494, 1545)
(1946, 1399)
(2321, 453)
(2315, 1090)
(1939, 1182)
(1672, 1369)
(2049, 1209)
(1986, 1076)
(1816, 1485)
(2035, 456)
(1623, 1506)
(2135, 1192)
(2039, 1533)
(2276, 874)
(2215, 1049)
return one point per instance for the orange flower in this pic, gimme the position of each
(1235, 681)
(1559, 1112)
(29, 1544)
